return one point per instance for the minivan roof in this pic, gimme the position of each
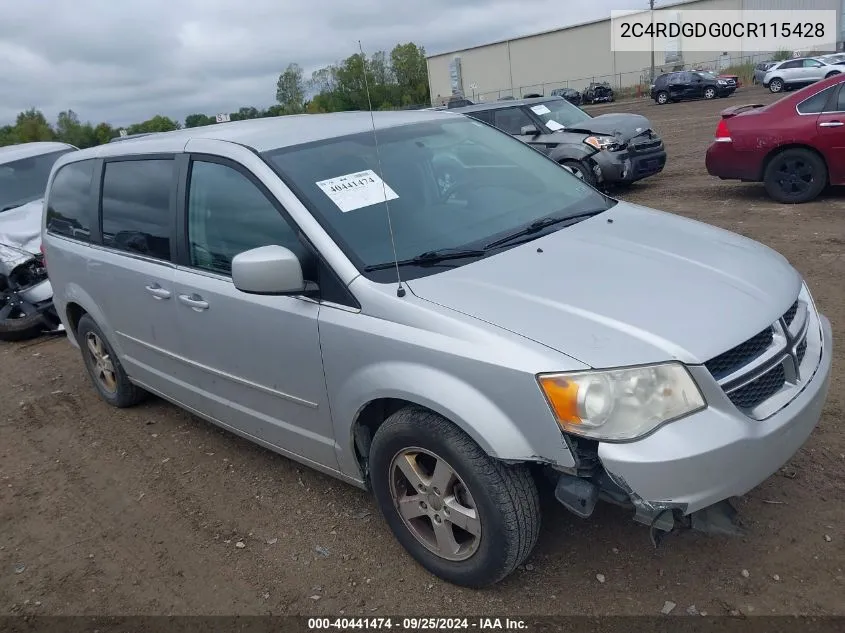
(11, 153)
(268, 133)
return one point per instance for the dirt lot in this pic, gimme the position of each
(140, 511)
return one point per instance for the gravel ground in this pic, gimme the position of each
(152, 511)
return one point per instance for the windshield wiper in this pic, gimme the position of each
(430, 257)
(538, 225)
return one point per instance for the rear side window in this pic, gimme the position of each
(69, 209)
(816, 103)
(511, 120)
(137, 215)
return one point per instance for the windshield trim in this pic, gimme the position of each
(388, 275)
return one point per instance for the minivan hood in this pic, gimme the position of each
(620, 124)
(647, 287)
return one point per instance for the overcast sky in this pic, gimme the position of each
(124, 61)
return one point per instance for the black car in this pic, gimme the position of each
(597, 93)
(690, 84)
(609, 149)
(570, 94)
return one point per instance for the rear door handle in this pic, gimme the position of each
(195, 302)
(158, 292)
(831, 124)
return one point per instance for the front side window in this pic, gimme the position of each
(812, 63)
(24, 180)
(227, 215)
(69, 208)
(453, 183)
(136, 209)
(511, 120)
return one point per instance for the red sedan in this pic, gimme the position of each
(795, 146)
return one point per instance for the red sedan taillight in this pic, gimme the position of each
(723, 134)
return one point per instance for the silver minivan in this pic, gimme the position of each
(428, 308)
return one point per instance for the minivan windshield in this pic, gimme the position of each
(558, 114)
(453, 184)
(25, 180)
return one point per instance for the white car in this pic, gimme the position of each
(796, 73)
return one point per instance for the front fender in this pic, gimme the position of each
(571, 151)
(458, 401)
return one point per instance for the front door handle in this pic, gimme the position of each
(158, 292)
(195, 302)
(831, 124)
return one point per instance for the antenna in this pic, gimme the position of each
(400, 290)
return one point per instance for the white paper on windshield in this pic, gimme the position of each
(554, 125)
(356, 191)
(540, 109)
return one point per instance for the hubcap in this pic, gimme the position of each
(435, 504)
(103, 366)
(12, 306)
(661, 98)
(794, 176)
(776, 86)
(709, 93)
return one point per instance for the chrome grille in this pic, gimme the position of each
(739, 356)
(765, 366)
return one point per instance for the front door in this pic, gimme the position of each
(254, 361)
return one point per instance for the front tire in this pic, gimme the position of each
(795, 176)
(582, 170)
(776, 85)
(709, 93)
(104, 367)
(19, 320)
(832, 73)
(662, 97)
(464, 516)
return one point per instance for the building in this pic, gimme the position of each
(574, 56)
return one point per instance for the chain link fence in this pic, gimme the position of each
(629, 84)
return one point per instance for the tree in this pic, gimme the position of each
(158, 123)
(290, 89)
(198, 120)
(104, 132)
(411, 71)
(30, 126)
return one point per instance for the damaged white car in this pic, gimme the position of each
(26, 297)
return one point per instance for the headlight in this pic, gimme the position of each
(621, 404)
(722, 82)
(602, 142)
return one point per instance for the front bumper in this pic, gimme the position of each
(718, 453)
(624, 166)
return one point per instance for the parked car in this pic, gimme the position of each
(610, 149)
(458, 102)
(522, 329)
(570, 94)
(598, 93)
(796, 73)
(761, 69)
(26, 306)
(737, 81)
(690, 84)
(794, 146)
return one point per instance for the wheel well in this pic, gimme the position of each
(778, 150)
(74, 313)
(369, 419)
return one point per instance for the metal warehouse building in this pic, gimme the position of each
(576, 55)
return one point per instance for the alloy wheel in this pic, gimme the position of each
(709, 93)
(103, 367)
(794, 176)
(435, 504)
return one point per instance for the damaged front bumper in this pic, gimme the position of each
(685, 473)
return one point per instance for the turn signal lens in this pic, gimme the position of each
(621, 404)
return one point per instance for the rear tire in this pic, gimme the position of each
(104, 367)
(498, 502)
(795, 176)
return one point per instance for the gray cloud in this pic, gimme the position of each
(125, 61)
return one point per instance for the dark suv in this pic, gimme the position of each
(613, 148)
(690, 84)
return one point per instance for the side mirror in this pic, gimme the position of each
(268, 270)
(529, 130)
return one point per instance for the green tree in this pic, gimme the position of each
(32, 125)
(198, 120)
(70, 130)
(290, 90)
(158, 123)
(411, 71)
(104, 132)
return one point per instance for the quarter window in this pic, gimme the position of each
(816, 103)
(227, 215)
(69, 209)
(137, 214)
